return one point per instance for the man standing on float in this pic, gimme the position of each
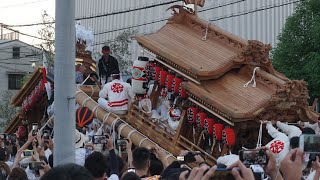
(106, 65)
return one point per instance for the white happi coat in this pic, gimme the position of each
(280, 143)
(118, 94)
(289, 130)
(314, 126)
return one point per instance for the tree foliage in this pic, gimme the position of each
(7, 111)
(120, 50)
(47, 32)
(297, 54)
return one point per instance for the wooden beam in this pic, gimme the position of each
(209, 110)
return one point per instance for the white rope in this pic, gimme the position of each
(130, 133)
(95, 110)
(253, 78)
(140, 143)
(85, 101)
(92, 91)
(106, 117)
(85, 80)
(78, 92)
(120, 129)
(206, 34)
(259, 142)
(169, 155)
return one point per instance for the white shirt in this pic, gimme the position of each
(80, 156)
(118, 93)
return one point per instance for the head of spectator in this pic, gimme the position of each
(130, 176)
(97, 165)
(3, 154)
(4, 170)
(294, 142)
(115, 74)
(122, 166)
(106, 51)
(68, 172)
(18, 174)
(141, 161)
(308, 130)
(156, 166)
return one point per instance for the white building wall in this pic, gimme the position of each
(235, 16)
(10, 65)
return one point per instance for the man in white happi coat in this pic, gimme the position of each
(118, 94)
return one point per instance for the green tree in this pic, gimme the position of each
(47, 32)
(7, 111)
(297, 54)
(120, 50)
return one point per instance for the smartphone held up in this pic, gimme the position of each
(100, 139)
(253, 157)
(310, 143)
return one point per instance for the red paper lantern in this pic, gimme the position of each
(217, 131)
(192, 114)
(163, 78)
(228, 136)
(157, 72)
(208, 125)
(182, 92)
(176, 85)
(169, 82)
(200, 119)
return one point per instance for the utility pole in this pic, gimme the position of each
(1, 30)
(64, 83)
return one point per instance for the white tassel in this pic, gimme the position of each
(253, 78)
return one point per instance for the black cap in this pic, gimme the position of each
(106, 48)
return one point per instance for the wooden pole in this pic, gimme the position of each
(124, 129)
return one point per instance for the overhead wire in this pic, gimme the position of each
(216, 19)
(102, 15)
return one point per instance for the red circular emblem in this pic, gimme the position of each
(117, 88)
(277, 146)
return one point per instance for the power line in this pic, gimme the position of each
(6, 27)
(216, 19)
(253, 11)
(102, 15)
(22, 4)
(164, 19)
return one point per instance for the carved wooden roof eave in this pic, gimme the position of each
(12, 126)
(182, 15)
(27, 88)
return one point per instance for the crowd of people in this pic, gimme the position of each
(33, 159)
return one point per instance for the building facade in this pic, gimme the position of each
(16, 60)
(249, 19)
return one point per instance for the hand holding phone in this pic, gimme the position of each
(253, 157)
(310, 144)
(100, 139)
(188, 158)
(34, 129)
(122, 143)
(27, 153)
(33, 166)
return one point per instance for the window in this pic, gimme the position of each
(16, 52)
(14, 81)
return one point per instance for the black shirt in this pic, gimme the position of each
(106, 68)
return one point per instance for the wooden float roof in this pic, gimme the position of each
(27, 88)
(222, 64)
(181, 41)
